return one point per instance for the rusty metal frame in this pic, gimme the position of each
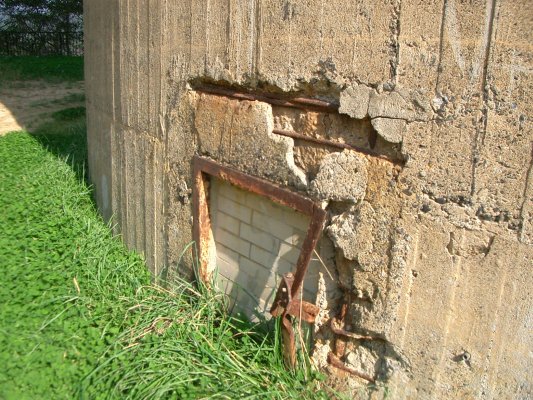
(287, 304)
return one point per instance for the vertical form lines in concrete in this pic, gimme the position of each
(481, 131)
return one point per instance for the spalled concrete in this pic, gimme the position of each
(428, 248)
(342, 177)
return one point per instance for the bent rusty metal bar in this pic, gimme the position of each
(303, 103)
(337, 363)
(202, 222)
(286, 303)
(339, 331)
(334, 358)
(331, 143)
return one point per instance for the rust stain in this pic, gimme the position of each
(331, 143)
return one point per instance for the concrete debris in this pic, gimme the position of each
(354, 101)
(391, 130)
(342, 177)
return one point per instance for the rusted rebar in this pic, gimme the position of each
(303, 103)
(331, 143)
(337, 363)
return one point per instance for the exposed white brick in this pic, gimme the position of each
(227, 222)
(310, 284)
(297, 220)
(258, 275)
(232, 192)
(273, 226)
(296, 239)
(263, 257)
(265, 206)
(283, 266)
(226, 269)
(232, 242)
(269, 291)
(260, 238)
(289, 253)
(227, 254)
(309, 295)
(225, 285)
(257, 242)
(234, 209)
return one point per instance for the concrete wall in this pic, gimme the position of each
(431, 255)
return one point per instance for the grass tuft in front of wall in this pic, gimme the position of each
(79, 315)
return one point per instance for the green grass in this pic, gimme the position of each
(50, 68)
(79, 316)
(69, 114)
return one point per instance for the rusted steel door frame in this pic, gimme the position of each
(286, 303)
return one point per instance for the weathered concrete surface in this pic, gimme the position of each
(434, 258)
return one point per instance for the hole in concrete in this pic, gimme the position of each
(249, 232)
(256, 242)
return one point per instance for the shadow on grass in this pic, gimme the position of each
(48, 68)
(66, 138)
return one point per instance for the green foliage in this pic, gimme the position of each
(79, 315)
(48, 68)
(51, 237)
(41, 15)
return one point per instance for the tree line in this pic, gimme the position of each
(41, 15)
(41, 27)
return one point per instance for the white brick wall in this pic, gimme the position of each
(256, 242)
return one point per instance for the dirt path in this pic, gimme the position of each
(27, 104)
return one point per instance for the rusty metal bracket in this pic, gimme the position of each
(340, 345)
(299, 102)
(338, 145)
(337, 363)
(287, 303)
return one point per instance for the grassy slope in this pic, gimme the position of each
(50, 68)
(138, 340)
(78, 316)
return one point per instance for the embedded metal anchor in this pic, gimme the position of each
(289, 307)
(287, 302)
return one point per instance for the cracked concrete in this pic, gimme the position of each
(428, 251)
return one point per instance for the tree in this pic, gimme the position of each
(41, 15)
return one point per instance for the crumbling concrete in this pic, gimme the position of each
(342, 177)
(428, 244)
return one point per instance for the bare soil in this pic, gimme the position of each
(26, 104)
